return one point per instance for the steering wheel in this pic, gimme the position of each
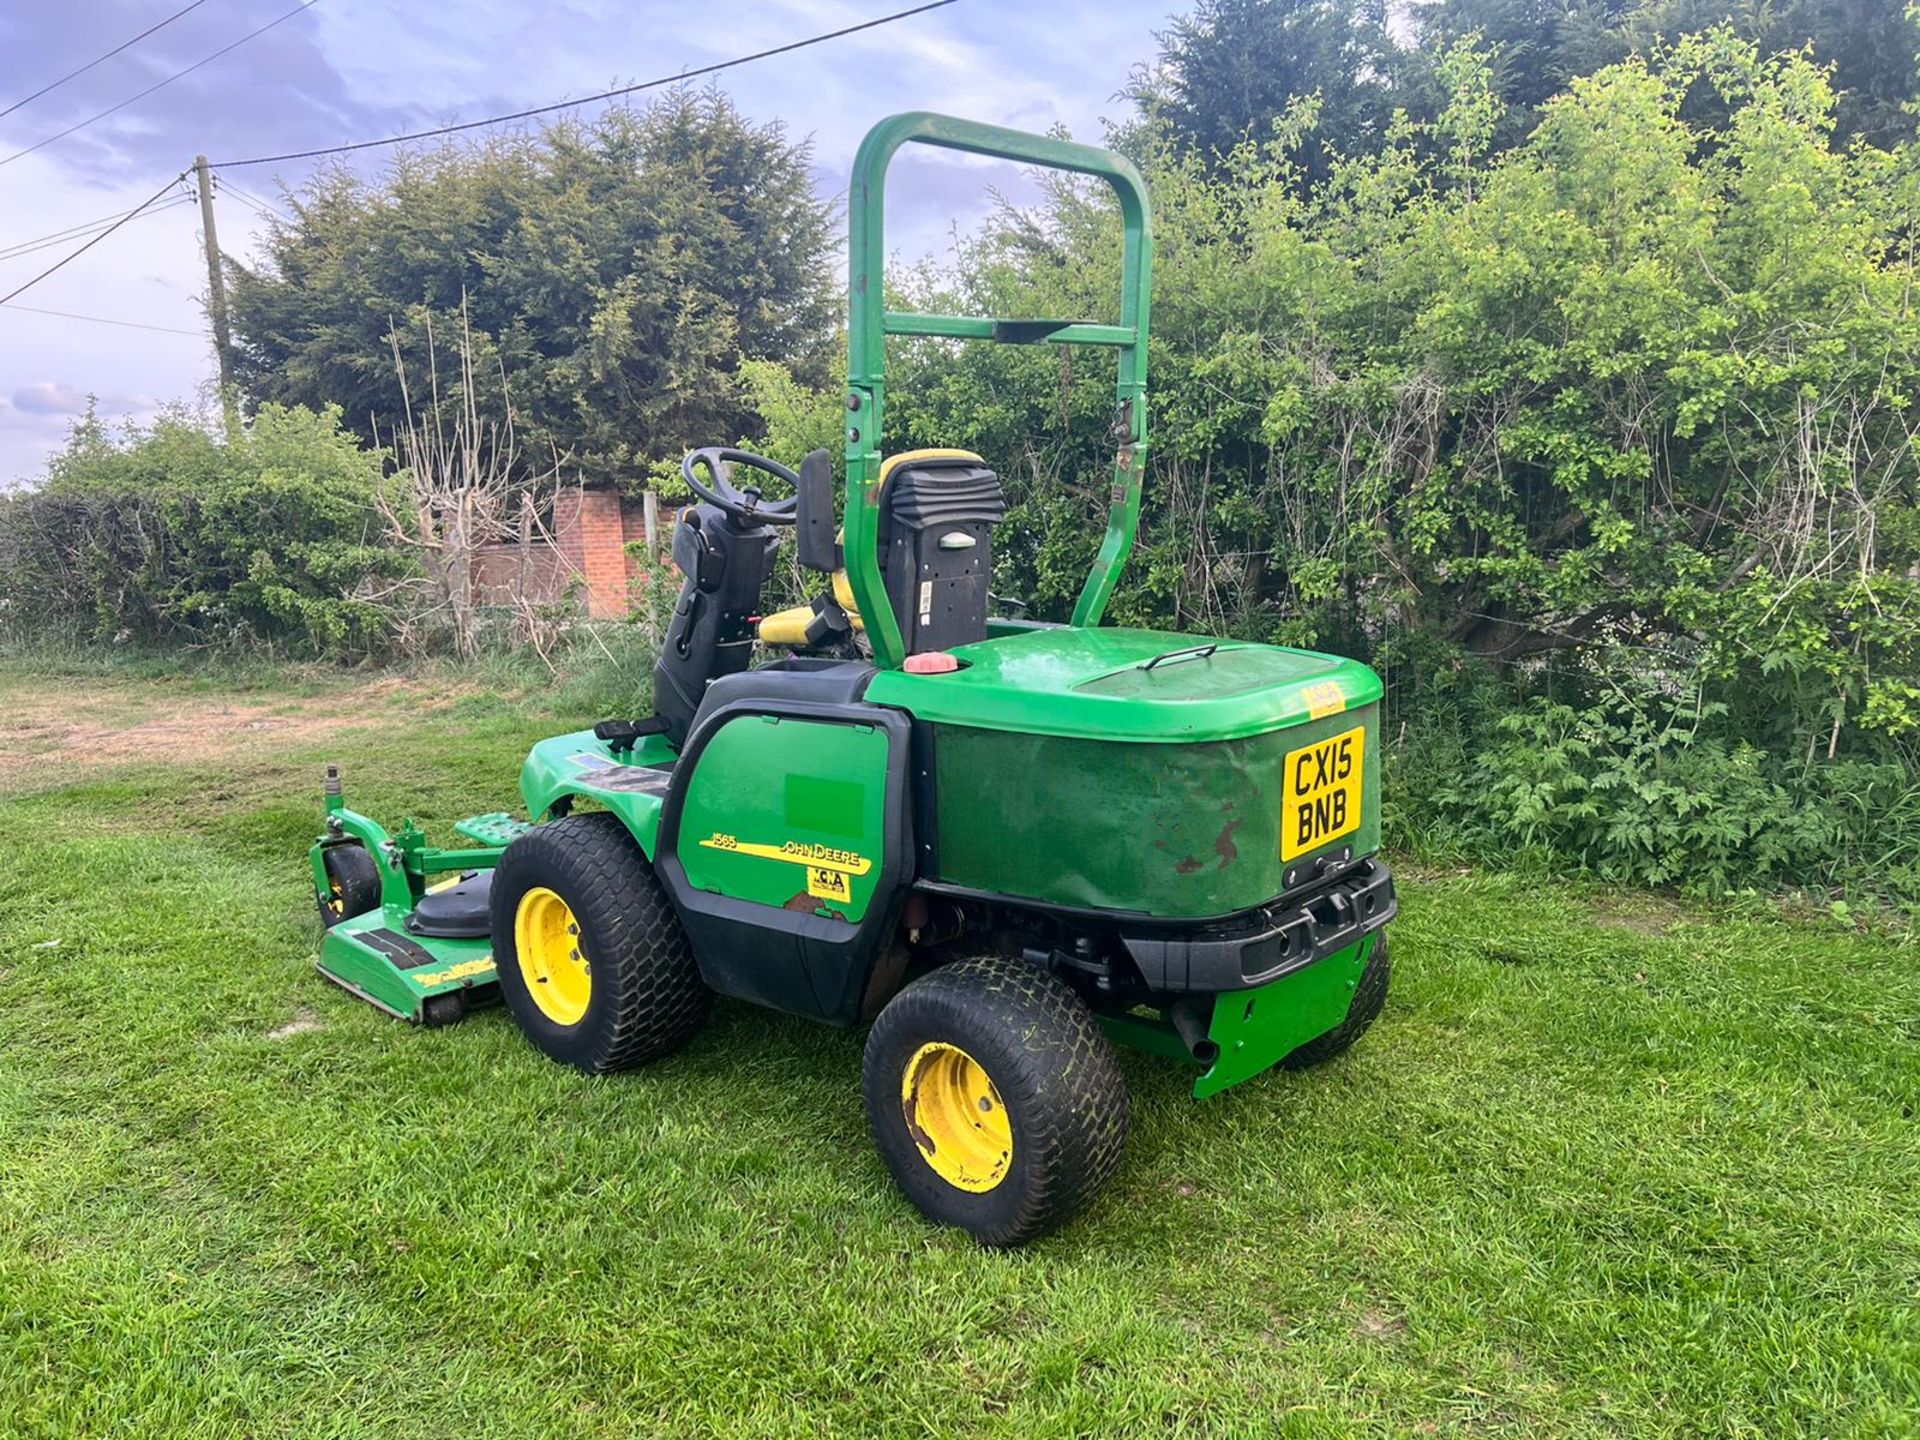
(744, 505)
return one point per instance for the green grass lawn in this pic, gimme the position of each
(1606, 1166)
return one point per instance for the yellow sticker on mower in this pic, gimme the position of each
(828, 884)
(1321, 799)
(822, 858)
(465, 970)
(1323, 699)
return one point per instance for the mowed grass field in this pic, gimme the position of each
(1607, 1166)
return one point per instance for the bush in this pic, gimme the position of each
(1643, 791)
(171, 535)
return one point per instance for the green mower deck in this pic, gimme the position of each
(427, 981)
(380, 953)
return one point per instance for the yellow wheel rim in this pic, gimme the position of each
(956, 1118)
(553, 957)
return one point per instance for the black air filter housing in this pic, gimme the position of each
(936, 537)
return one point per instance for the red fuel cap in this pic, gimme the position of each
(931, 662)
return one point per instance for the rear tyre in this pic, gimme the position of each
(592, 960)
(353, 883)
(1369, 997)
(994, 1099)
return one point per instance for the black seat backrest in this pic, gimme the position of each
(723, 565)
(936, 548)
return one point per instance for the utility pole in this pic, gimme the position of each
(216, 289)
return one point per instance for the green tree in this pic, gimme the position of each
(1230, 68)
(1868, 43)
(1536, 48)
(617, 273)
(1540, 46)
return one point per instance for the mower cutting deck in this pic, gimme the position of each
(1001, 842)
(413, 945)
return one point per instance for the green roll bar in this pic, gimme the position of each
(869, 323)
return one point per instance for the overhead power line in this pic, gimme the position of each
(48, 242)
(101, 320)
(655, 84)
(266, 211)
(258, 209)
(79, 229)
(73, 255)
(16, 251)
(160, 84)
(73, 74)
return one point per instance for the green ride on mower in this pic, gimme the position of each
(1005, 843)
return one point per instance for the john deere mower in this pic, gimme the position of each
(1005, 844)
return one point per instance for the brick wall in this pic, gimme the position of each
(591, 531)
(500, 572)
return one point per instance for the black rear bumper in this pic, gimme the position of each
(1260, 946)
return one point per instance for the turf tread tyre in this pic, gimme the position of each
(647, 998)
(1056, 1075)
(1369, 998)
(351, 868)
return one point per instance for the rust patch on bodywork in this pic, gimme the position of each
(1223, 845)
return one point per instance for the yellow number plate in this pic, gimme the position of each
(1321, 801)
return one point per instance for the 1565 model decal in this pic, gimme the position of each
(827, 868)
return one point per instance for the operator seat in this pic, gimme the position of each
(937, 513)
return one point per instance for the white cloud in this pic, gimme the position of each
(49, 397)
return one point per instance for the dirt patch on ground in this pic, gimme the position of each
(304, 1021)
(66, 728)
(1379, 1326)
(1650, 916)
(1407, 868)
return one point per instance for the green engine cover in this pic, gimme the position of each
(1165, 830)
(1145, 773)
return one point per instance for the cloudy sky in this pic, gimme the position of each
(358, 69)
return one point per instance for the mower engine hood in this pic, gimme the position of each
(1136, 685)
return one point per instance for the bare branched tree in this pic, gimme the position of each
(464, 492)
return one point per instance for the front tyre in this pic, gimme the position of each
(353, 883)
(994, 1099)
(592, 960)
